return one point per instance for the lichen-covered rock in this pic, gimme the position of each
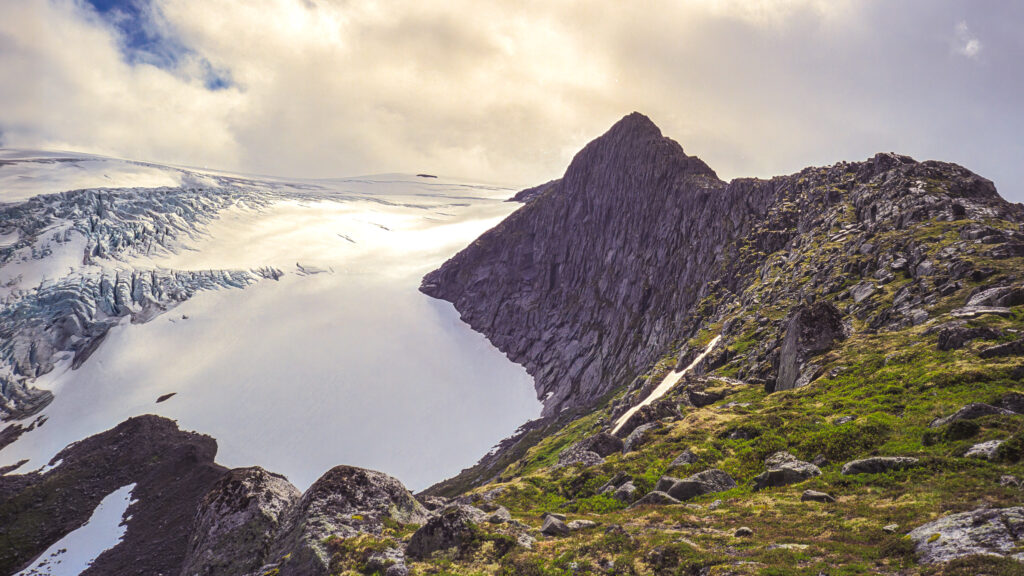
(451, 528)
(706, 482)
(639, 436)
(988, 531)
(984, 450)
(879, 464)
(684, 459)
(237, 522)
(783, 468)
(955, 336)
(344, 502)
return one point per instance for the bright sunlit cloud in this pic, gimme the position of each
(508, 91)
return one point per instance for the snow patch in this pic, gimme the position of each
(72, 554)
(667, 384)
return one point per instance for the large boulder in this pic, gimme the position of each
(970, 412)
(986, 531)
(344, 502)
(782, 468)
(591, 450)
(237, 521)
(810, 330)
(956, 335)
(655, 498)
(706, 482)
(451, 528)
(879, 464)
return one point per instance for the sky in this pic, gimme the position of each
(509, 91)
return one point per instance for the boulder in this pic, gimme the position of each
(662, 408)
(655, 498)
(554, 527)
(1015, 348)
(614, 482)
(706, 482)
(984, 450)
(743, 532)
(639, 436)
(1011, 401)
(236, 522)
(344, 502)
(969, 412)
(810, 330)
(684, 459)
(986, 531)
(879, 464)
(1004, 296)
(581, 525)
(625, 493)
(783, 468)
(956, 336)
(975, 311)
(591, 450)
(815, 496)
(500, 516)
(390, 562)
(449, 529)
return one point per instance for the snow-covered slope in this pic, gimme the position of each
(115, 296)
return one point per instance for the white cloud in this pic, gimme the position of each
(965, 43)
(503, 91)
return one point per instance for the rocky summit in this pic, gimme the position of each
(812, 374)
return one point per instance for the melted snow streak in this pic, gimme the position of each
(72, 554)
(667, 384)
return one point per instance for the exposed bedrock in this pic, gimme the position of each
(601, 272)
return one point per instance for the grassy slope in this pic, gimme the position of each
(893, 383)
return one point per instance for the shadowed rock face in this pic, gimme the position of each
(591, 282)
(811, 330)
(171, 469)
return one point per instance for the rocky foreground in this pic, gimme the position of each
(814, 374)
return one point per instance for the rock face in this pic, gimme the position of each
(810, 330)
(172, 471)
(985, 531)
(590, 282)
(237, 522)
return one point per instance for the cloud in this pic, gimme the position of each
(965, 43)
(509, 91)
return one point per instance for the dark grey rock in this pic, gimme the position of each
(684, 459)
(655, 498)
(969, 412)
(625, 493)
(810, 330)
(986, 531)
(452, 528)
(500, 516)
(743, 532)
(955, 337)
(554, 527)
(879, 464)
(237, 522)
(639, 436)
(706, 482)
(1015, 348)
(782, 468)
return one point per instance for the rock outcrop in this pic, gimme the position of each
(782, 468)
(986, 531)
(172, 471)
(810, 330)
(611, 266)
(237, 521)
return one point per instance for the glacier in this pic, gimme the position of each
(282, 312)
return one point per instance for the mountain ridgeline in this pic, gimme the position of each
(620, 261)
(813, 374)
